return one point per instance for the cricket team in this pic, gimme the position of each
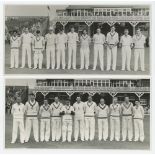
(58, 121)
(56, 45)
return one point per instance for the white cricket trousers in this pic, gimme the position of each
(139, 54)
(114, 128)
(102, 129)
(50, 56)
(66, 130)
(56, 128)
(79, 126)
(18, 122)
(61, 56)
(44, 129)
(38, 59)
(72, 53)
(127, 128)
(84, 53)
(111, 58)
(26, 50)
(14, 58)
(126, 57)
(139, 129)
(32, 122)
(98, 51)
(89, 128)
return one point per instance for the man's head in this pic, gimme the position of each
(137, 102)
(61, 31)
(84, 31)
(15, 33)
(115, 100)
(32, 97)
(67, 102)
(38, 32)
(72, 29)
(98, 30)
(102, 101)
(78, 99)
(112, 28)
(26, 30)
(45, 102)
(126, 99)
(18, 99)
(126, 32)
(50, 30)
(56, 99)
(138, 31)
(89, 98)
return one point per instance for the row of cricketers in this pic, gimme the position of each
(56, 46)
(57, 119)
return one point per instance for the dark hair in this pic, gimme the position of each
(112, 26)
(38, 31)
(15, 31)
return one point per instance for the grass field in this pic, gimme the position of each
(78, 71)
(79, 145)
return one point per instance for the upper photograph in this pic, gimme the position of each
(77, 39)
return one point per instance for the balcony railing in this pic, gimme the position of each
(102, 18)
(90, 88)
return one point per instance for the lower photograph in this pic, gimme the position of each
(77, 113)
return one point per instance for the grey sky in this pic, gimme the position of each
(21, 82)
(30, 10)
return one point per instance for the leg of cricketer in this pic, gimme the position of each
(63, 58)
(76, 129)
(29, 56)
(53, 57)
(82, 58)
(16, 58)
(105, 129)
(136, 57)
(82, 129)
(100, 129)
(69, 56)
(142, 59)
(28, 129)
(42, 130)
(40, 60)
(48, 57)
(92, 128)
(22, 132)
(123, 57)
(141, 130)
(69, 131)
(114, 57)
(86, 129)
(124, 128)
(112, 129)
(128, 53)
(64, 131)
(35, 60)
(74, 56)
(35, 130)
(23, 56)
(53, 129)
(136, 128)
(58, 129)
(130, 129)
(87, 58)
(12, 58)
(108, 58)
(58, 57)
(47, 130)
(14, 130)
(117, 129)
(95, 56)
(101, 57)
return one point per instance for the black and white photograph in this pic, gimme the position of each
(77, 113)
(77, 39)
